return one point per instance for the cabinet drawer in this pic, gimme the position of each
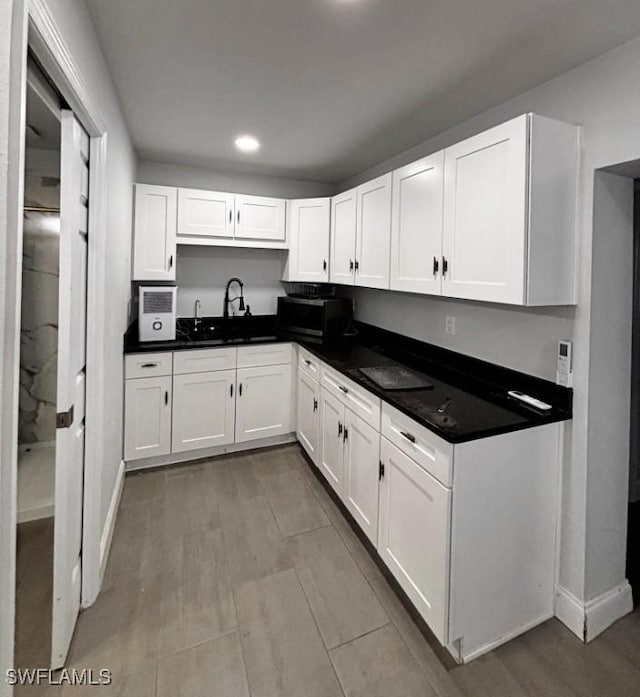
(428, 450)
(362, 403)
(266, 354)
(203, 360)
(309, 364)
(147, 365)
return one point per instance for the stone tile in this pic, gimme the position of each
(379, 665)
(137, 546)
(283, 651)
(197, 600)
(254, 545)
(213, 669)
(295, 508)
(340, 598)
(190, 502)
(143, 486)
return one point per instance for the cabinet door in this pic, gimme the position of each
(147, 417)
(260, 218)
(309, 222)
(343, 237)
(308, 422)
(263, 403)
(154, 247)
(203, 410)
(332, 413)
(414, 535)
(361, 467)
(416, 226)
(205, 213)
(485, 209)
(373, 236)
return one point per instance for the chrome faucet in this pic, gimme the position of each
(196, 309)
(225, 309)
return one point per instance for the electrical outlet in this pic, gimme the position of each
(450, 324)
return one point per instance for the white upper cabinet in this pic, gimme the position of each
(343, 237)
(510, 214)
(205, 213)
(260, 218)
(373, 233)
(308, 227)
(154, 252)
(416, 226)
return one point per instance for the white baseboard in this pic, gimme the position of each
(588, 620)
(110, 522)
(189, 455)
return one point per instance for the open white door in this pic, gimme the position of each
(74, 195)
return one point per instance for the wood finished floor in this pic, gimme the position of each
(239, 576)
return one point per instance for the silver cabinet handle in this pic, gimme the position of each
(230, 216)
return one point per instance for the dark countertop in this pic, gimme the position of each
(477, 390)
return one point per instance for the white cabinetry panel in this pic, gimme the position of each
(154, 250)
(203, 410)
(263, 402)
(260, 218)
(374, 233)
(343, 237)
(414, 535)
(147, 417)
(308, 225)
(416, 226)
(332, 420)
(361, 460)
(308, 422)
(205, 213)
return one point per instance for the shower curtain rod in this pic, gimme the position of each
(40, 209)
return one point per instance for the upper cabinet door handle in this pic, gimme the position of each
(357, 265)
(445, 266)
(230, 216)
(171, 262)
(350, 264)
(436, 266)
(324, 264)
(238, 217)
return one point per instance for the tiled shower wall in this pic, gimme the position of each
(39, 334)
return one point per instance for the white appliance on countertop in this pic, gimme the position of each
(157, 313)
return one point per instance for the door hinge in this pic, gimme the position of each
(381, 470)
(64, 419)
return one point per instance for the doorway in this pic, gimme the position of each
(51, 420)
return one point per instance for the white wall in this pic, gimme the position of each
(202, 272)
(603, 96)
(72, 20)
(165, 174)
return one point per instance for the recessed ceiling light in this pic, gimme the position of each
(247, 143)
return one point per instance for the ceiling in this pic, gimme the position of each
(331, 87)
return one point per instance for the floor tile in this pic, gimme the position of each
(340, 598)
(137, 546)
(284, 654)
(379, 665)
(213, 669)
(142, 486)
(190, 502)
(254, 545)
(296, 509)
(197, 601)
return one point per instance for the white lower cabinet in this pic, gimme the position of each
(332, 418)
(203, 410)
(147, 417)
(195, 400)
(263, 402)
(361, 466)
(413, 534)
(308, 426)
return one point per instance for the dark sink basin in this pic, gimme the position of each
(227, 330)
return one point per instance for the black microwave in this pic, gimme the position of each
(314, 319)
